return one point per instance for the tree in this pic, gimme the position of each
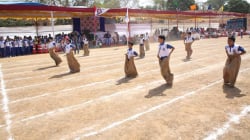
(216, 4)
(239, 6)
(173, 4)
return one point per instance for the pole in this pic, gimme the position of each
(52, 23)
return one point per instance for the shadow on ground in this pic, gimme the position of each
(232, 92)
(158, 91)
(44, 68)
(124, 80)
(61, 75)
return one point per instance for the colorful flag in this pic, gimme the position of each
(100, 11)
(221, 8)
(193, 7)
(209, 7)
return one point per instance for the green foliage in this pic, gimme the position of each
(239, 6)
(182, 5)
(15, 22)
(216, 4)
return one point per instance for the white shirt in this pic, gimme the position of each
(16, 43)
(68, 48)
(52, 44)
(142, 41)
(85, 41)
(26, 44)
(131, 53)
(7, 43)
(20, 43)
(2, 44)
(189, 39)
(235, 49)
(146, 37)
(164, 50)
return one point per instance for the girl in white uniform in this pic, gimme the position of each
(232, 66)
(73, 64)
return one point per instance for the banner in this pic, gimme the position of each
(100, 11)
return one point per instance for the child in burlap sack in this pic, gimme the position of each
(129, 67)
(164, 53)
(73, 64)
(52, 51)
(232, 66)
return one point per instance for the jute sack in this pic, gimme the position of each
(129, 67)
(55, 56)
(73, 64)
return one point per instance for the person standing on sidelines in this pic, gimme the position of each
(188, 43)
(141, 46)
(129, 67)
(232, 66)
(164, 53)
(73, 64)
(2, 47)
(8, 47)
(52, 51)
(147, 42)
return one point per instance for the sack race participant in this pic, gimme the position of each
(232, 66)
(73, 64)
(164, 53)
(129, 67)
(188, 41)
(141, 47)
(85, 46)
(52, 52)
(147, 42)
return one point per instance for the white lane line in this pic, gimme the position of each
(5, 103)
(62, 91)
(110, 80)
(234, 119)
(75, 107)
(102, 98)
(133, 117)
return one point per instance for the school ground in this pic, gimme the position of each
(43, 102)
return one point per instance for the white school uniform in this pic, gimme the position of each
(235, 49)
(164, 50)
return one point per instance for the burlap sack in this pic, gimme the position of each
(73, 64)
(86, 50)
(142, 51)
(231, 69)
(55, 56)
(147, 45)
(165, 71)
(129, 67)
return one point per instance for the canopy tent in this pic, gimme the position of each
(37, 10)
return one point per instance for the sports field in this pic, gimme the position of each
(43, 102)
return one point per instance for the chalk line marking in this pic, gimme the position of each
(234, 119)
(5, 103)
(75, 107)
(133, 117)
(210, 67)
